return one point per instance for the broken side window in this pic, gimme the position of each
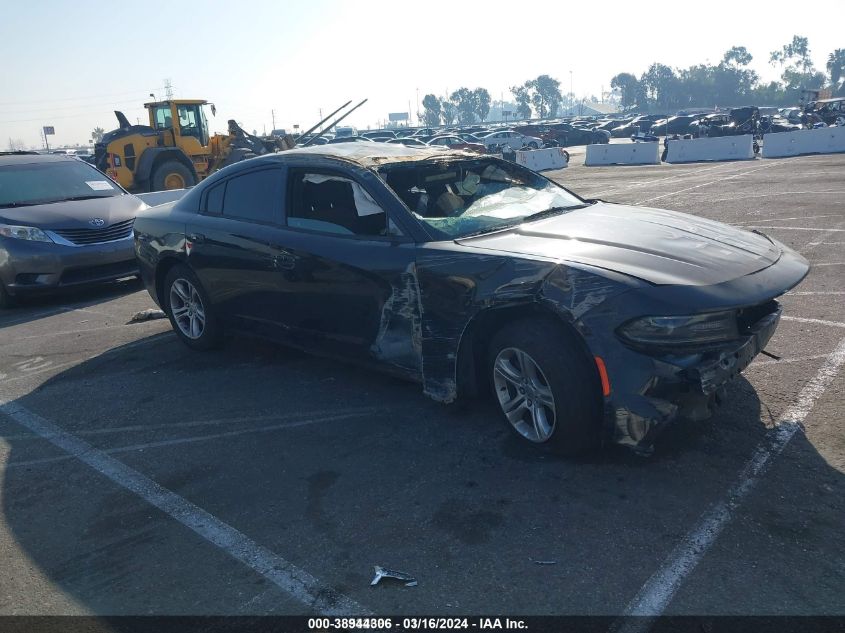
(334, 204)
(457, 198)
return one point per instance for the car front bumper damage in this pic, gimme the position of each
(673, 386)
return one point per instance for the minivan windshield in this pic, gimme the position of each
(460, 197)
(27, 184)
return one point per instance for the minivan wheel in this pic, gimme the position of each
(6, 300)
(546, 386)
(189, 310)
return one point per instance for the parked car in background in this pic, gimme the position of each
(565, 134)
(350, 139)
(641, 123)
(679, 124)
(380, 136)
(409, 141)
(470, 137)
(512, 139)
(703, 126)
(583, 321)
(63, 223)
(345, 131)
(456, 142)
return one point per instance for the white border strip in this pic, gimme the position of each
(658, 591)
(296, 582)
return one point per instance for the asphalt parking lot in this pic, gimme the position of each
(139, 477)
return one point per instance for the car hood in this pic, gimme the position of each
(75, 214)
(658, 246)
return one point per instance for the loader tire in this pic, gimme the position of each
(172, 175)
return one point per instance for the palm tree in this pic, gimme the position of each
(836, 67)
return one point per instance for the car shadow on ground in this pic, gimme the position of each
(31, 308)
(406, 480)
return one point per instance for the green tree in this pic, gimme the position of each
(464, 101)
(97, 134)
(629, 89)
(737, 55)
(660, 87)
(797, 65)
(448, 110)
(523, 101)
(432, 110)
(545, 95)
(836, 70)
(482, 103)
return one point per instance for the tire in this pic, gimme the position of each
(189, 310)
(172, 174)
(532, 145)
(563, 380)
(6, 300)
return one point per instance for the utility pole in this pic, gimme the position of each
(273, 115)
(168, 89)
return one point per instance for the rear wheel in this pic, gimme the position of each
(189, 309)
(546, 386)
(172, 175)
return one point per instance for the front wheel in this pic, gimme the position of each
(6, 300)
(546, 386)
(189, 310)
(172, 175)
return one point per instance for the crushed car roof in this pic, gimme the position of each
(375, 154)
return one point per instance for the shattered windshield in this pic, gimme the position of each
(456, 198)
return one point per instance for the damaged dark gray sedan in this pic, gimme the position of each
(586, 322)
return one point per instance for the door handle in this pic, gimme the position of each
(196, 238)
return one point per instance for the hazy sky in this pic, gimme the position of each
(69, 64)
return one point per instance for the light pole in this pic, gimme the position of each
(571, 93)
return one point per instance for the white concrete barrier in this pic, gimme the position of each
(540, 159)
(623, 154)
(718, 148)
(825, 140)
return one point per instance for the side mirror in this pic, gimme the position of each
(213, 110)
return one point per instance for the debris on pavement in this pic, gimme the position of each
(147, 315)
(382, 572)
(543, 562)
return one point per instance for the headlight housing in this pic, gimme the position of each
(681, 331)
(30, 233)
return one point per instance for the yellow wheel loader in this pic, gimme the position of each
(175, 150)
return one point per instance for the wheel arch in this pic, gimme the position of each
(164, 266)
(473, 344)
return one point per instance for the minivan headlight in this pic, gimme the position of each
(694, 329)
(24, 233)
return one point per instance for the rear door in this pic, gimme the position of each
(348, 286)
(232, 245)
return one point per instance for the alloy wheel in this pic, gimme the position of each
(187, 308)
(524, 394)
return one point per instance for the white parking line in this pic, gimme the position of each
(704, 184)
(792, 228)
(296, 582)
(802, 293)
(828, 264)
(816, 321)
(209, 422)
(184, 440)
(798, 359)
(806, 217)
(658, 591)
